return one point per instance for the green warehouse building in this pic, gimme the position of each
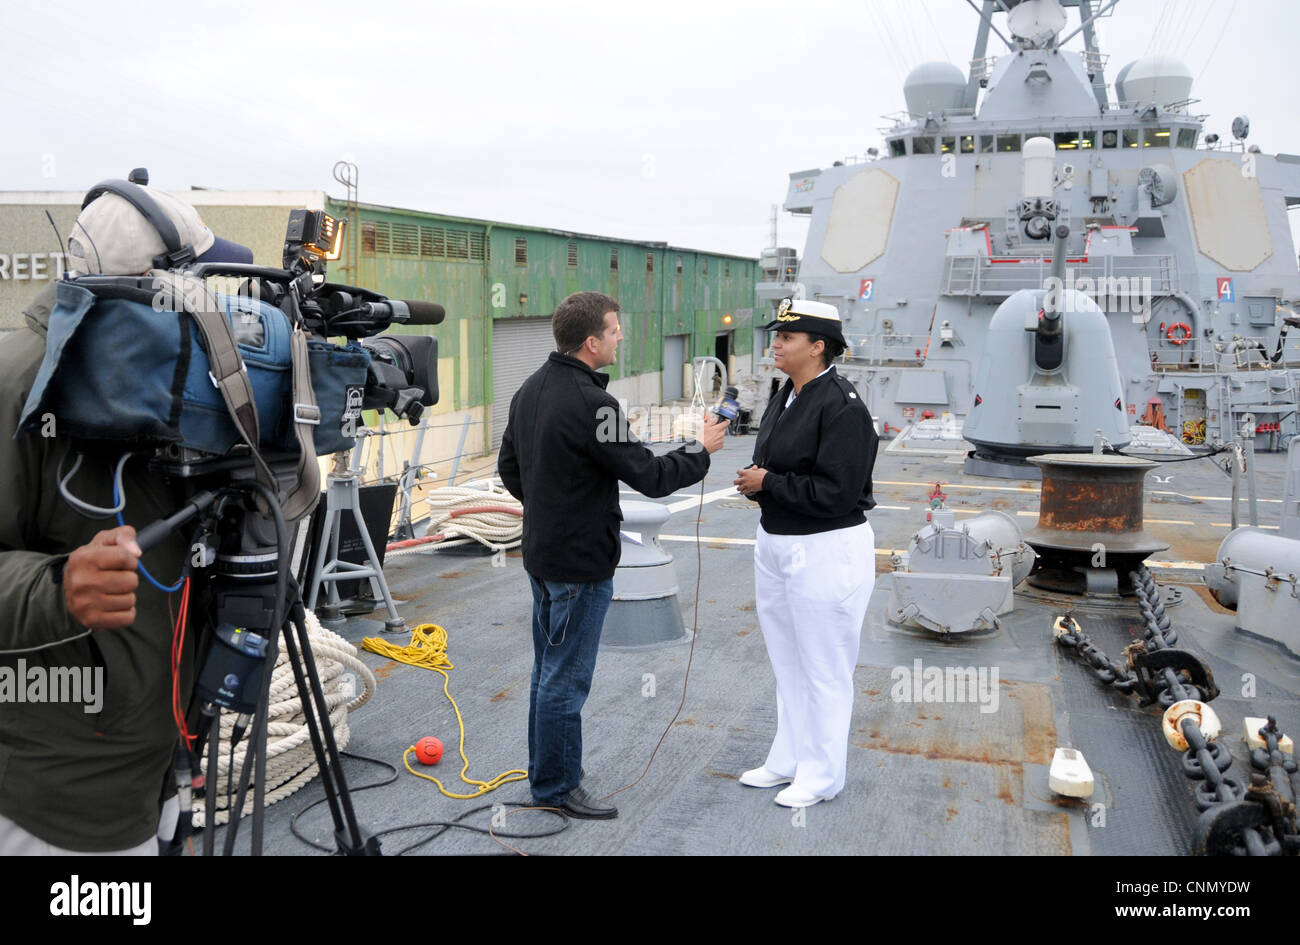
(499, 283)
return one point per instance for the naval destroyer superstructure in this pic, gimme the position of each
(1181, 238)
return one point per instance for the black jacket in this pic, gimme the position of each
(818, 455)
(566, 446)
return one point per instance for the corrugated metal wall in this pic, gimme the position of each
(519, 348)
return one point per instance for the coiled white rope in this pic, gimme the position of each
(479, 511)
(290, 759)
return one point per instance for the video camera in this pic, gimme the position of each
(248, 371)
(403, 373)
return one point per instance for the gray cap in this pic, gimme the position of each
(113, 238)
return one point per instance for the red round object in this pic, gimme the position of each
(428, 750)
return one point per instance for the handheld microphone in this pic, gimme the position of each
(727, 408)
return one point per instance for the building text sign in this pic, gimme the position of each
(30, 267)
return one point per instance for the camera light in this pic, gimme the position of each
(314, 234)
(330, 238)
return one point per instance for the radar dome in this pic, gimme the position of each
(933, 87)
(1119, 81)
(1162, 80)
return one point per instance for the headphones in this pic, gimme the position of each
(176, 254)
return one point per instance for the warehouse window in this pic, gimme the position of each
(613, 259)
(477, 246)
(433, 242)
(406, 239)
(382, 243)
(458, 244)
(521, 251)
(726, 269)
(573, 254)
(679, 265)
(649, 262)
(368, 238)
(704, 267)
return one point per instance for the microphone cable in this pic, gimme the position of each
(695, 635)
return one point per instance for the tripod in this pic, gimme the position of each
(343, 495)
(256, 603)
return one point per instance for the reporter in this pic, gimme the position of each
(563, 458)
(814, 561)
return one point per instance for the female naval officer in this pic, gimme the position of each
(814, 563)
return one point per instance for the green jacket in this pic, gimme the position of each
(88, 781)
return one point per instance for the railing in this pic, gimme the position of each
(882, 348)
(1246, 353)
(1120, 277)
(981, 69)
(1093, 62)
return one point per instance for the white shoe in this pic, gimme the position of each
(762, 777)
(798, 797)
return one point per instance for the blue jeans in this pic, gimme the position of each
(567, 620)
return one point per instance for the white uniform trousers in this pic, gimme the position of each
(812, 592)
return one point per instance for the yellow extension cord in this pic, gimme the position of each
(428, 650)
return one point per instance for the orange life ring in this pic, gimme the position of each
(1181, 339)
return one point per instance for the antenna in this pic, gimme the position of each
(98, 262)
(57, 235)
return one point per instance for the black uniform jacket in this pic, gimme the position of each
(818, 455)
(566, 446)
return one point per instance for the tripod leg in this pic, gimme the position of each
(327, 529)
(378, 582)
(347, 833)
(254, 757)
(210, 788)
(259, 746)
(336, 535)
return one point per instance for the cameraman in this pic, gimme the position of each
(87, 696)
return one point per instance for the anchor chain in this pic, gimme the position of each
(1258, 819)
(1069, 633)
(1236, 819)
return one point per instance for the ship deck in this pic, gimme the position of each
(923, 777)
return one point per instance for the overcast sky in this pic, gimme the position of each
(674, 121)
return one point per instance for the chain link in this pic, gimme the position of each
(1236, 819)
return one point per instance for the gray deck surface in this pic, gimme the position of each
(923, 778)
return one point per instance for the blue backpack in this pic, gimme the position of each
(118, 368)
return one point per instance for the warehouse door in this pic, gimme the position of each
(722, 351)
(519, 347)
(674, 361)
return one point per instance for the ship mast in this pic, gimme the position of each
(1092, 56)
